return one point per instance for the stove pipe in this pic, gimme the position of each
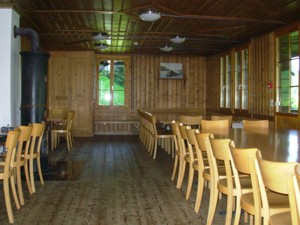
(33, 79)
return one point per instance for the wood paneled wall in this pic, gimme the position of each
(262, 72)
(166, 96)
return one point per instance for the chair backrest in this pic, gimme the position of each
(240, 165)
(273, 176)
(240, 157)
(58, 113)
(175, 131)
(255, 124)
(214, 126)
(36, 137)
(183, 137)
(11, 145)
(229, 118)
(191, 120)
(70, 118)
(193, 144)
(296, 190)
(24, 140)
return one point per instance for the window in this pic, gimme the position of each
(111, 83)
(225, 85)
(287, 98)
(241, 79)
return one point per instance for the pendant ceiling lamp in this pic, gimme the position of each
(100, 36)
(166, 48)
(177, 40)
(149, 15)
(101, 46)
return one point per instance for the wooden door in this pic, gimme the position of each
(71, 86)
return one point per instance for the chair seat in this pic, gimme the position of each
(245, 183)
(281, 218)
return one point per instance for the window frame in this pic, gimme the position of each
(240, 89)
(277, 75)
(113, 58)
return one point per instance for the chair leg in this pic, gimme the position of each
(68, 142)
(213, 199)
(190, 182)
(237, 212)
(181, 174)
(199, 192)
(38, 160)
(27, 178)
(229, 209)
(175, 167)
(19, 185)
(14, 191)
(32, 183)
(154, 148)
(7, 200)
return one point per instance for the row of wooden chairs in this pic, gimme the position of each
(152, 135)
(23, 147)
(265, 189)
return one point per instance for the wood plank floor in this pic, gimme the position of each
(110, 180)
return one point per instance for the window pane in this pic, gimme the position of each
(119, 77)
(228, 81)
(288, 73)
(222, 82)
(294, 71)
(104, 83)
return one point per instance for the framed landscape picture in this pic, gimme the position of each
(170, 71)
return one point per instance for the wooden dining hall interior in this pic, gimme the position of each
(149, 112)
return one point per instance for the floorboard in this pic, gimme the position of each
(109, 180)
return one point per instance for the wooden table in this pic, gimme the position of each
(274, 144)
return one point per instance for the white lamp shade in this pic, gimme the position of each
(177, 40)
(101, 46)
(150, 16)
(166, 48)
(100, 36)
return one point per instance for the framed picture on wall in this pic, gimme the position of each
(171, 71)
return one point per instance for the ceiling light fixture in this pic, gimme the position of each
(166, 48)
(177, 39)
(150, 15)
(100, 36)
(101, 46)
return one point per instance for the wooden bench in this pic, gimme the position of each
(117, 127)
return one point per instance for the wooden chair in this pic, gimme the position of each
(194, 166)
(35, 152)
(296, 189)
(272, 179)
(255, 124)
(215, 126)
(290, 217)
(229, 118)
(165, 137)
(193, 121)
(199, 164)
(203, 165)
(58, 130)
(178, 157)
(21, 160)
(7, 172)
(225, 185)
(244, 199)
(186, 157)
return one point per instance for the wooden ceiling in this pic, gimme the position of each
(210, 26)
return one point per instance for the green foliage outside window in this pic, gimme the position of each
(112, 86)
